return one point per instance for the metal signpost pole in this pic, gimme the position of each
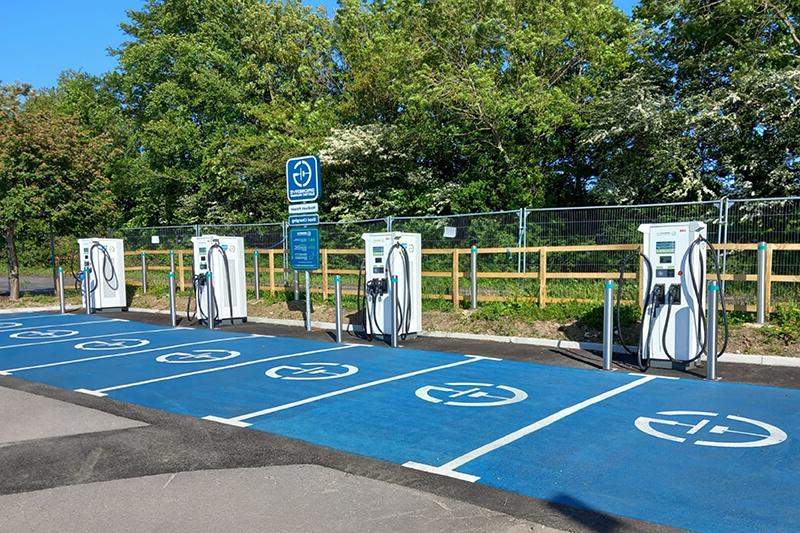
(257, 277)
(144, 274)
(608, 324)
(711, 334)
(474, 276)
(61, 305)
(393, 314)
(296, 285)
(337, 291)
(761, 303)
(308, 301)
(172, 314)
(210, 311)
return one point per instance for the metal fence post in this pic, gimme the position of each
(393, 314)
(210, 311)
(172, 308)
(144, 274)
(61, 305)
(308, 301)
(608, 324)
(711, 333)
(761, 298)
(86, 293)
(337, 296)
(473, 274)
(257, 275)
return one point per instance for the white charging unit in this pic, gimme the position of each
(105, 259)
(393, 254)
(674, 329)
(209, 255)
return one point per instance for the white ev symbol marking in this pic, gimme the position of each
(44, 334)
(9, 325)
(311, 371)
(302, 173)
(773, 434)
(474, 391)
(197, 356)
(112, 345)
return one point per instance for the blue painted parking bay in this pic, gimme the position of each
(685, 453)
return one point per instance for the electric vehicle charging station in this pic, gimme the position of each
(388, 255)
(223, 258)
(105, 261)
(674, 328)
(675, 317)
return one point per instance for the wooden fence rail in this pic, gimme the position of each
(455, 274)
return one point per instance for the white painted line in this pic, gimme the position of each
(227, 421)
(10, 371)
(637, 374)
(448, 469)
(220, 368)
(42, 326)
(91, 392)
(441, 471)
(262, 412)
(72, 339)
(51, 315)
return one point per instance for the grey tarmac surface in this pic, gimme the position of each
(300, 498)
(25, 416)
(171, 443)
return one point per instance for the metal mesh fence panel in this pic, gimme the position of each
(169, 237)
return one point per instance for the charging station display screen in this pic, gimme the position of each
(665, 272)
(665, 259)
(665, 247)
(377, 250)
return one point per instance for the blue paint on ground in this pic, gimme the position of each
(400, 406)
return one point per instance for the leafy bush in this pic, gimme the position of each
(784, 324)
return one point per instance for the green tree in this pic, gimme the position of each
(51, 168)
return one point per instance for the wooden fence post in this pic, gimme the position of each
(455, 280)
(542, 276)
(768, 281)
(181, 270)
(272, 272)
(324, 274)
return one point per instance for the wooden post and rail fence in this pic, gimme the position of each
(183, 270)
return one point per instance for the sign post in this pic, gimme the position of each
(303, 190)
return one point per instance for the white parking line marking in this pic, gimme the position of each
(70, 339)
(103, 391)
(124, 354)
(43, 326)
(15, 318)
(239, 420)
(449, 469)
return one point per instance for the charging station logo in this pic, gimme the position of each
(302, 174)
(748, 433)
(197, 356)
(473, 394)
(311, 371)
(44, 334)
(116, 344)
(9, 325)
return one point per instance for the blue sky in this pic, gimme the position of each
(41, 38)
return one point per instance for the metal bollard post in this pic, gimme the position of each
(172, 260)
(711, 332)
(87, 302)
(257, 277)
(608, 324)
(61, 306)
(144, 274)
(210, 311)
(473, 274)
(761, 303)
(296, 285)
(308, 301)
(172, 312)
(337, 293)
(393, 303)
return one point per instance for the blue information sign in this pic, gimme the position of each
(304, 248)
(303, 182)
(303, 220)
